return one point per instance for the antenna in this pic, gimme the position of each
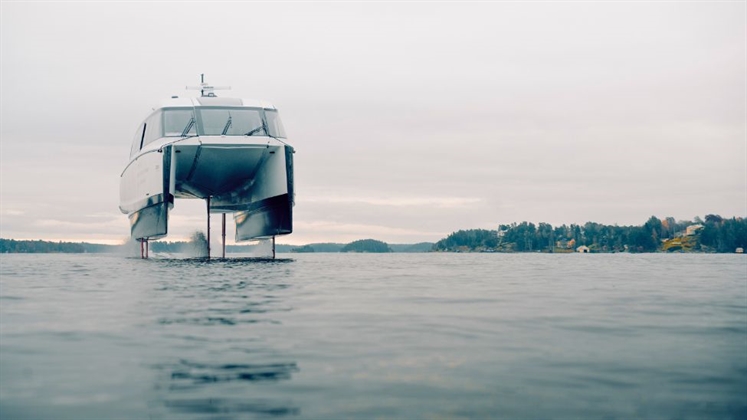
(205, 89)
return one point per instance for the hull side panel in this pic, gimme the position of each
(146, 193)
(266, 218)
(273, 215)
(289, 151)
(268, 179)
(150, 222)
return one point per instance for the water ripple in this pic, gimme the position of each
(216, 406)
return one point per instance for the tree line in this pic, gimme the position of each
(39, 246)
(714, 234)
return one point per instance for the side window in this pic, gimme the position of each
(137, 140)
(152, 128)
(274, 124)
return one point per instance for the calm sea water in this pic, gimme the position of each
(374, 336)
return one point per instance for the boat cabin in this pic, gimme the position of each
(208, 116)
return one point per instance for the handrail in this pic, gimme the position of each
(159, 150)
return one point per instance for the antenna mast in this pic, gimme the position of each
(205, 89)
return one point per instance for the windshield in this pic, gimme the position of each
(223, 121)
(231, 122)
(179, 122)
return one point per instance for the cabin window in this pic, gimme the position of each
(274, 125)
(179, 123)
(137, 139)
(230, 122)
(153, 128)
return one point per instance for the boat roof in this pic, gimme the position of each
(189, 102)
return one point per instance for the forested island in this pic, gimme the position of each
(714, 234)
(711, 234)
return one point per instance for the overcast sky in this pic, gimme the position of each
(410, 121)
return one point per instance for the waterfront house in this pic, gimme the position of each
(690, 230)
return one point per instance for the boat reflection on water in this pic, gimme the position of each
(225, 332)
(190, 380)
(218, 405)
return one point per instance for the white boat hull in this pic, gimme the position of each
(253, 179)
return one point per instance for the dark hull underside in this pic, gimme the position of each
(270, 217)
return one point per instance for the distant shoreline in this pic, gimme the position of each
(713, 234)
(90, 248)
